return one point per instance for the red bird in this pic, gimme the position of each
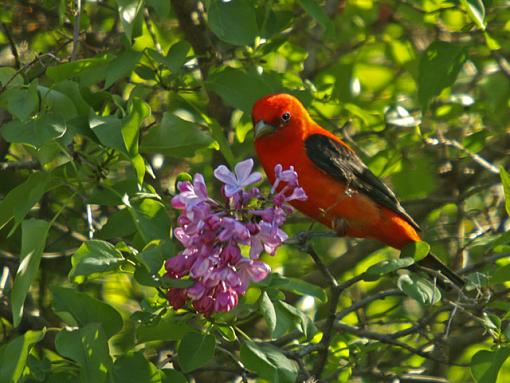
(343, 193)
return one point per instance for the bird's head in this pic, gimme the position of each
(278, 114)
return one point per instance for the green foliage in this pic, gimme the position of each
(104, 109)
(195, 350)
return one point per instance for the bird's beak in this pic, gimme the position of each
(262, 128)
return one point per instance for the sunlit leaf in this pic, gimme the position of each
(448, 58)
(33, 241)
(419, 288)
(85, 309)
(387, 266)
(94, 258)
(476, 11)
(485, 364)
(416, 250)
(88, 346)
(130, 15)
(13, 355)
(505, 180)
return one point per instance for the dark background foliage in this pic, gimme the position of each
(104, 103)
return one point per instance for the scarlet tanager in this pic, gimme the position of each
(343, 193)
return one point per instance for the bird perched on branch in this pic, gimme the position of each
(343, 193)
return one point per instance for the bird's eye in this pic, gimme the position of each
(286, 117)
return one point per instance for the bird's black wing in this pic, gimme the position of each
(342, 163)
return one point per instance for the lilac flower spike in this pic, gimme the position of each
(212, 233)
(238, 181)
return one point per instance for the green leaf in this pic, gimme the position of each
(35, 132)
(120, 224)
(89, 71)
(154, 255)
(134, 368)
(500, 275)
(268, 362)
(234, 22)
(21, 102)
(419, 288)
(416, 178)
(18, 202)
(167, 283)
(121, 66)
(130, 15)
(10, 75)
(151, 220)
(241, 88)
(416, 250)
(87, 346)
(108, 130)
(173, 376)
(287, 319)
(175, 137)
(85, 309)
(13, 355)
(175, 58)
(225, 147)
(58, 103)
(167, 328)
(33, 240)
(95, 258)
(449, 57)
(195, 350)
(313, 8)
(298, 286)
(72, 91)
(485, 364)
(387, 266)
(476, 11)
(137, 112)
(268, 311)
(505, 180)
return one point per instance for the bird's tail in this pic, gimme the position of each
(433, 263)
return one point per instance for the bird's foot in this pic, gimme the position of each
(340, 227)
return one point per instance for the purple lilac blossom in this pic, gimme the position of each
(212, 233)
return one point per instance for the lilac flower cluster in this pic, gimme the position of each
(212, 233)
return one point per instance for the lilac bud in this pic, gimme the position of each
(196, 291)
(204, 305)
(176, 297)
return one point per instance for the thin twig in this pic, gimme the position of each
(12, 165)
(457, 145)
(76, 29)
(322, 267)
(327, 332)
(388, 340)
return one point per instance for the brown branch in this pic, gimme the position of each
(12, 45)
